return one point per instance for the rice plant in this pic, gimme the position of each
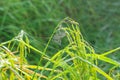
(76, 61)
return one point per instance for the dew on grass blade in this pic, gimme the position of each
(20, 35)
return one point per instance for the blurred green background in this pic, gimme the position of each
(99, 20)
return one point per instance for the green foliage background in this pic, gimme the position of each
(99, 21)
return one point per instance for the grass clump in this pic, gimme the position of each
(76, 61)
